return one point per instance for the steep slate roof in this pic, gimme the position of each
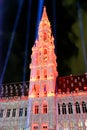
(67, 84)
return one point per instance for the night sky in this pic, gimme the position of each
(63, 15)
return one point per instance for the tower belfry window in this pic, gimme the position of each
(38, 74)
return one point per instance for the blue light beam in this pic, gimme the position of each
(54, 19)
(11, 41)
(40, 7)
(82, 34)
(27, 37)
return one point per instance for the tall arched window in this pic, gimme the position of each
(64, 108)
(77, 107)
(36, 108)
(44, 107)
(84, 109)
(70, 110)
(58, 108)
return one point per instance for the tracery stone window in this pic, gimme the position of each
(84, 109)
(59, 109)
(64, 108)
(70, 109)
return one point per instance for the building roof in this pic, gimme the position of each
(67, 84)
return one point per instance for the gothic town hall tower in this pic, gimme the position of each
(42, 102)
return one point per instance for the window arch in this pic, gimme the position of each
(77, 107)
(84, 109)
(36, 108)
(70, 110)
(44, 108)
(64, 108)
(58, 108)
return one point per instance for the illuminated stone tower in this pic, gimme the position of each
(43, 79)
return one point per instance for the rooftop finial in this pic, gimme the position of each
(44, 15)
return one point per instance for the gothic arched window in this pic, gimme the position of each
(58, 108)
(70, 110)
(36, 108)
(64, 108)
(84, 109)
(44, 108)
(77, 107)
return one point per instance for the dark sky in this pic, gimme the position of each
(62, 15)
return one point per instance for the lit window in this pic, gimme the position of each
(14, 113)
(80, 125)
(44, 108)
(45, 127)
(25, 111)
(66, 126)
(70, 110)
(36, 111)
(72, 126)
(58, 109)
(86, 124)
(77, 108)
(8, 112)
(20, 112)
(1, 113)
(64, 109)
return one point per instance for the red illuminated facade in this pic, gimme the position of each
(49, 102)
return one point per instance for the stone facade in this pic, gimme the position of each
(47, 102)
